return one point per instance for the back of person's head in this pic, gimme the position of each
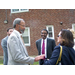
(17, 21)
(73, 32)
(67, 38)
(9, 29)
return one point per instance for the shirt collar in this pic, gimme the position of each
(45, 39)
(18, 32)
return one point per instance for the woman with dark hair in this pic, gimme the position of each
(65, 38)
(73, 32)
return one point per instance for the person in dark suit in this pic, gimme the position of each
(4, 46)
(49, 45)
(65, 38)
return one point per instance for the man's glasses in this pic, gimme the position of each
(22, 25)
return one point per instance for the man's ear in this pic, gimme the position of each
(7, 33)
(17, 25)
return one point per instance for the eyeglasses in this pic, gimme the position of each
(22, 25)
(58, 35)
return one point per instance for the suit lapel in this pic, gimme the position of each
(47, 47)
(39, 46)
(40, 43)
(24, 48)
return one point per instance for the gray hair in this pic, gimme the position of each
(17, 21)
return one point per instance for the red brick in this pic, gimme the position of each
(37, 19)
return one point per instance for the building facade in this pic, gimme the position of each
(37, 19)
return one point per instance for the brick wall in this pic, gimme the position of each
(37, 19)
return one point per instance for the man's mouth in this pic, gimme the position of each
(43, 37)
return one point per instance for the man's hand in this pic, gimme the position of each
(37, 58)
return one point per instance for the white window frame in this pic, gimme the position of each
(73, 26)
(19, 11)
(27, 44)
(52, 31)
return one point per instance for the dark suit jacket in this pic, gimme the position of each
(50, 47)
(65, 59)
(5, 51)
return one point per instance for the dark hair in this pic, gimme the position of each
(9, 29)
(44, 30)
(67, 38)
(17, 21)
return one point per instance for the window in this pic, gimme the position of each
(73, 27)
(19, 10)
(26, 36)
(50, 29)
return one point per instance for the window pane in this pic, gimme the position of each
(50, 29)
(26, 36)
(25, 32)
(26, 40)
(14, 10)
(23, 9)
(50, 35)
